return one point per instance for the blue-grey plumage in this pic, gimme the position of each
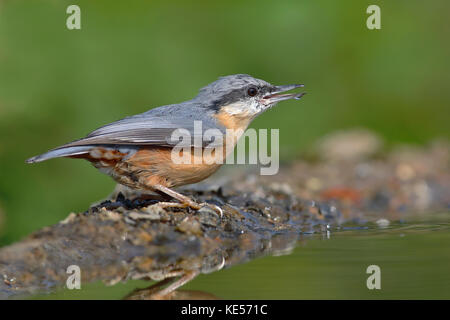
(153, 128)
(131, 146)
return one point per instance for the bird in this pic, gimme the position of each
(136, 151)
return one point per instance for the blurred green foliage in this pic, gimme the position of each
(56, 85)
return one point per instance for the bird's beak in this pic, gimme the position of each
(276, 95)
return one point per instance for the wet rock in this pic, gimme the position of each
(147, 213)
(349, 145)
(380, 201)
(208, 216)
(190, 225)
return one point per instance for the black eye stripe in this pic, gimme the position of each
(238, 94)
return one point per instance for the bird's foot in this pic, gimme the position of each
(217, 209)
(192, 204)
(186, 201)
(197, 206)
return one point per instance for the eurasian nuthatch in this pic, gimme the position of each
(136, 151)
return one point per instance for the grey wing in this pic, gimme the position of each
(156, 127)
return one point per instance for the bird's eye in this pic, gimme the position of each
(252, 91)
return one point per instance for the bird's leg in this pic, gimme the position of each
(178, 196)
(158, 291)
(185, 278)
(186, 201)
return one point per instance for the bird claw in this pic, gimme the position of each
(217, 209)
(194, 205)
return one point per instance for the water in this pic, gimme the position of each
(414, 259)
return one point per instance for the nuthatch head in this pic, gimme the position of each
(244, 96)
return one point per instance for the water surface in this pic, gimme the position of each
(414, 259)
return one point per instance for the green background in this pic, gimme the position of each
(57, 85)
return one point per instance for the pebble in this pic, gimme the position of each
(383, 223)
(208, 216)
(405, 172)
(71, 217)
(314, 184)
(149, 216)
(190, 225)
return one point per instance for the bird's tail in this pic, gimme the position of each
(60, 152)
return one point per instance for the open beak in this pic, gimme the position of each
(277, 95)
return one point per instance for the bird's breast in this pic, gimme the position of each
(232, 120)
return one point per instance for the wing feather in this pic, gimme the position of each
(154, 127)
